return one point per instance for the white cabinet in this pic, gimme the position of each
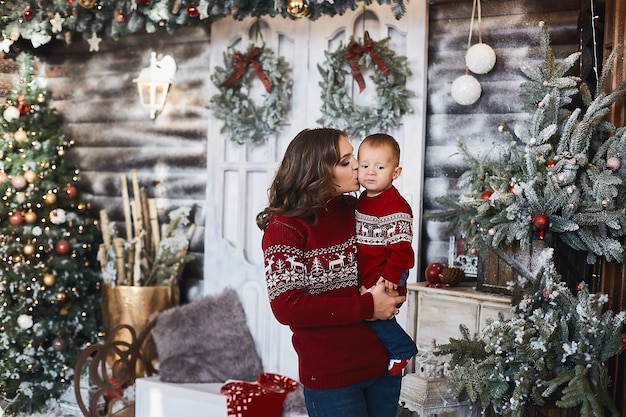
(436, 313)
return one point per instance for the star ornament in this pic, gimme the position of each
(57, 23)
(203, 8)
(94, 42)
(5, 45)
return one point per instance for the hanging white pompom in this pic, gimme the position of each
(11, 113)
(480, 58)
(466, 90)
(25, 321)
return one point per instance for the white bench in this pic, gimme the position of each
(154, 398)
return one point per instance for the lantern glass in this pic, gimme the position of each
(154, 82)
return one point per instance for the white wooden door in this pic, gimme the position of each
(239, 175)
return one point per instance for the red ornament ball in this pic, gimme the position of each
(433, 272)
(624, 340)
(62, 247)
(550, 163)
(59, 344)
(192, 10)
(16, 219)
(28, 13)
(541, 222)
(485, 195)
(70, 190)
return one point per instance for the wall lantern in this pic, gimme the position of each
(154, 82)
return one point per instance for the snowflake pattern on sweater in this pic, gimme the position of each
(317, 271)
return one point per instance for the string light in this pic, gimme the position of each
(593, 37)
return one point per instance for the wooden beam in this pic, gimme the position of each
(613, 275)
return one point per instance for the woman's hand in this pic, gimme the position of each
(385, 301)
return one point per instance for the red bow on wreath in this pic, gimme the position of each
(354, 52)
(241, 63)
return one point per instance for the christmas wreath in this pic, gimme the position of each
(244, 121)
(390, 74)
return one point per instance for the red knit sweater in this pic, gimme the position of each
(384, 233)
(311, 274)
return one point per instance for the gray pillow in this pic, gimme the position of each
(207, 340)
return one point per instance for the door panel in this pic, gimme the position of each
(239, 175)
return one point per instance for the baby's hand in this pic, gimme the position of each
(389, 286)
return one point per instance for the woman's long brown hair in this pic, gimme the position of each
(303, 182)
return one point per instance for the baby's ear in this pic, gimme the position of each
(397, 172)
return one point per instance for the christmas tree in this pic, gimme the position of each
(552, 350)
(559, 172)
(49, 288)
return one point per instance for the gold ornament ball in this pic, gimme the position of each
(30, 217)
(50, 198)
(60, 296)
(87, 4)
(49, 280)
(28, 249)
(297, 8)
(20, 135)
(41, 98)
(30, 176)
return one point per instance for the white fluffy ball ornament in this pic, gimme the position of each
(25, 321)
(466, 90)
(480, 58)
(11, 113)
(614, 163)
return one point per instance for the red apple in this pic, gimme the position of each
(433, 272)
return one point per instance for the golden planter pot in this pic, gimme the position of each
(134, 306)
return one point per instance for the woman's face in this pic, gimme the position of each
(345, 172)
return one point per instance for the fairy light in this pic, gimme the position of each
(593, 36)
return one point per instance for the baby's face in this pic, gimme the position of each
(377, 169)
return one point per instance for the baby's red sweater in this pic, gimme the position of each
(384, 233)
(311, 275)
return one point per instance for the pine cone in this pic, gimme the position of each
(452, 276)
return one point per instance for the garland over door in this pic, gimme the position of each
(239, 175)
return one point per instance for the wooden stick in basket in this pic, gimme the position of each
(154, 224)
(126, 204)
(118, 247)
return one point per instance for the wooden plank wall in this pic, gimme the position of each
(96, 95)
(510, 27)
(612, 279)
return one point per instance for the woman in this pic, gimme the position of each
(309, 246)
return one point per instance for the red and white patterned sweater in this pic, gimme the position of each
(384, 227)
(311, 275)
